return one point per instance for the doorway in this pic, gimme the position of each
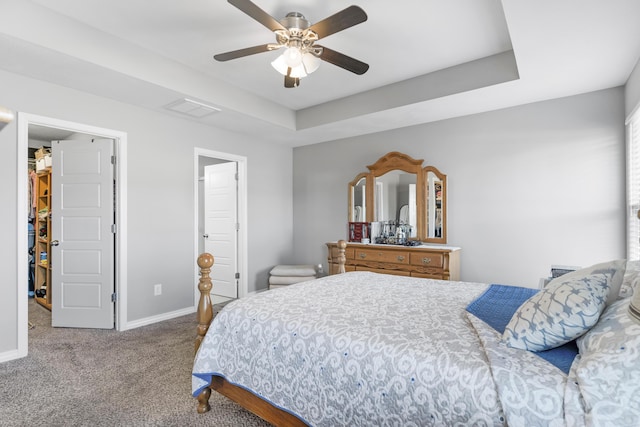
(33, 124)
(204, 159)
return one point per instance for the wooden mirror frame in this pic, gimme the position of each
(399, 161)
(443, 205)
(368, 197)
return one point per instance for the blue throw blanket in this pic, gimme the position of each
(496, 307)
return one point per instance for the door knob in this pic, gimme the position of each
(206, 236)
(55, 243)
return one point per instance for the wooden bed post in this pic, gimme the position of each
(342, 258)
(204, 317)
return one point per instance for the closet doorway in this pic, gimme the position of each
(35, 132)
(221, 218)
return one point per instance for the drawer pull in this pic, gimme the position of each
(426, 260)
(400, 258)
(363, 255)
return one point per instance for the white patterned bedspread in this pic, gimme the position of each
(363, 348)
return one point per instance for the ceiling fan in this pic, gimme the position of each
(295, 34)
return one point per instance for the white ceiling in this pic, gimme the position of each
(429, 59)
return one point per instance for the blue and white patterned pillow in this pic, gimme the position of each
(616, 270)
(559, 313)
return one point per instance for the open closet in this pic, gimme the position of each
(39, 170)
(40, 225)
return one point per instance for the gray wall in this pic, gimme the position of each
(528, 186)
(160, 196)
(632, 90)
(8, 195)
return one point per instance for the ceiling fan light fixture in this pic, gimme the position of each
(280, 64)
(298, 72)
(292, 56)
(301, 64)
(311, 62)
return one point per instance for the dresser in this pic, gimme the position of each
(428, 261)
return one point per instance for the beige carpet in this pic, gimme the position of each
(88, 377)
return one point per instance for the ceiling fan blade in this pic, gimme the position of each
(242, 52)
(258, 14)
(353, 15)
(343, 61)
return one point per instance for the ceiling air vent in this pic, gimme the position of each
(192, 108)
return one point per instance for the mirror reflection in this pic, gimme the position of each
(395, 199)
(359, 212)
(435, 191)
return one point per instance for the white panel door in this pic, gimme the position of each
(220, 226)
(82, 235)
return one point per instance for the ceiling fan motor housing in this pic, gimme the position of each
(297, 34)
(295, 20)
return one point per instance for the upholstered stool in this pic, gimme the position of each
(283, 275)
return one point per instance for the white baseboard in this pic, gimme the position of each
(172, 315)
(10, 355)
(159, 318)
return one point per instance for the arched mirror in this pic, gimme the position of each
(398, 197)
(399, 191)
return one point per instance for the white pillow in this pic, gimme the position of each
(565, 309)
(302, 270)
(607, 370)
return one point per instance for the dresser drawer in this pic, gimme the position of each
(335, 252)
(428, 260)
(380, 255)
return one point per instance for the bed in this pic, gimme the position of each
(363, 348)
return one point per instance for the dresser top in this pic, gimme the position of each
(422, 246)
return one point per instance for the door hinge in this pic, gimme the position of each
(113, 160)
(237, 275)
(114, 297)
(237, 176)
(237, 226)
(114, 228)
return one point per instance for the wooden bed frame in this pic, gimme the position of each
(244, 398)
